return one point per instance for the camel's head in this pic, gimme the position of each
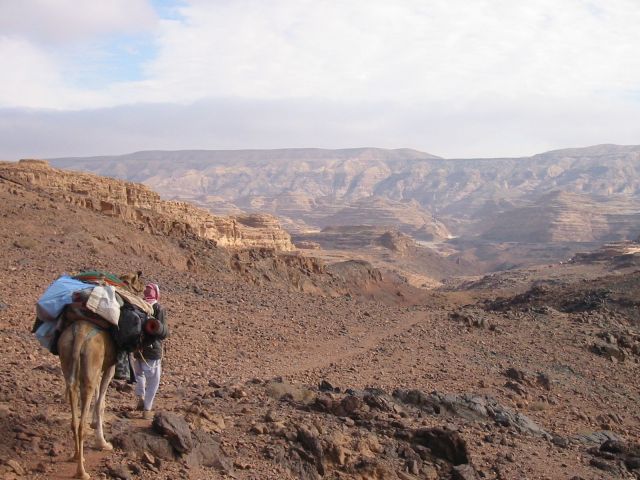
(133, 281)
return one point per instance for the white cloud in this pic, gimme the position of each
(405, 50)
(72, 20)
(455, 77)
(43, 42)
(31, 78)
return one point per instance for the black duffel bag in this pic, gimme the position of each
(128, 334)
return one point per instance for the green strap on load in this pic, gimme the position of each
(97, 276)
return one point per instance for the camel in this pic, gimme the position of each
(88, 358)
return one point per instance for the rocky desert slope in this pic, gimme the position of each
(142, 207)
(282, 366)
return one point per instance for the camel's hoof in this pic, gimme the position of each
(104, 446)
(83, 475)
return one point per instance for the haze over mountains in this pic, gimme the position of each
(428, 197)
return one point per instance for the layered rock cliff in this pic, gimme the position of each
(307, 188)
(137, 204)
(408, 217)
(356, 237)
(566, 217)
(315, 188)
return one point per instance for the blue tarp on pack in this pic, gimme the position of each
(57, 296)
(46, 333)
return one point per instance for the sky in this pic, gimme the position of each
(455, 78)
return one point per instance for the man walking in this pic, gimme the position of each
(147, 363)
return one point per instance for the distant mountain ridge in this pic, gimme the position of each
(312, 188)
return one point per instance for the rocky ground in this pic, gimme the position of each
(281, 367)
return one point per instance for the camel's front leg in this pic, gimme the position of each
(98, 410)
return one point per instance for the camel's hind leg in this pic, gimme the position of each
(72, 395)
(86, 393)
(98, 410)
(68, 362)
(94, 418)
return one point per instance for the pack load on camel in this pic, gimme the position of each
(103, 299)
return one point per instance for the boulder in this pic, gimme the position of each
(464, 472)
(609, 351)
(515, 374)
(470, 407)
(445, 444)
(138, 443)
(175, 429)
(206, 452)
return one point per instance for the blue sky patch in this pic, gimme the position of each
(112, 59)
(168, 9)
(115, 58)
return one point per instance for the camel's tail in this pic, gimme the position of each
(78, 343)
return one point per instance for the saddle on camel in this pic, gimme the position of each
(87, 319)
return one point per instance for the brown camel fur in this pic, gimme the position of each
(88, 357)
(133, 281)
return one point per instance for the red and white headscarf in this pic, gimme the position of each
(151, 293)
